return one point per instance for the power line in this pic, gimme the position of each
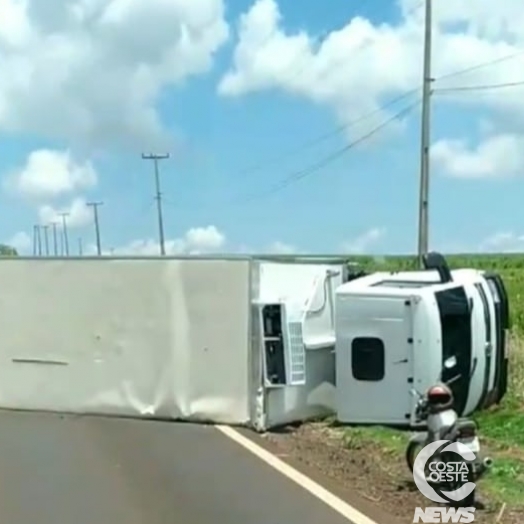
(141, 214)
(318, 139)
(416, 7)
(339, 129)
(330, 134)
(156, 158)
(95, 206)
(393, 101)
(303, 173)
(480, 87)
(481, 65)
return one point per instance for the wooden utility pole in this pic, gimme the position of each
(35, 240)
(46, 239)
(39, 240)
(95, 205)
(55, 239)
(64, 232)
(156, 158)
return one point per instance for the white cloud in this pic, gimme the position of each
(364, 242)
(503, 242)
(357, 67)
(204, 238)
(505, 20)
(79, 214)
(49, 174)
(282, 248)
(21, 241)
(275, 248)
(196, 241)
(496, 156)
(90, 71)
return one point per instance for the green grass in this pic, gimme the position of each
(389, 440)
(505, 482)
(504, 427)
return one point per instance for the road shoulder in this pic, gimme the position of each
(280, 445)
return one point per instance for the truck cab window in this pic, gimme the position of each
(368, 359)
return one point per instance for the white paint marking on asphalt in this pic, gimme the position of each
(334, 502)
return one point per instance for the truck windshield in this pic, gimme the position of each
(455, 324)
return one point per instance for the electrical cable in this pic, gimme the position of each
(321, 138)
(416, 7)
(480, 87)
(303, 173)
(298, 175)
(481, 65)
(141, 214)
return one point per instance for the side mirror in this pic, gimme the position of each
(450, 363)
(437, 262)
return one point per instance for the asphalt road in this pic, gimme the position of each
(87, 470)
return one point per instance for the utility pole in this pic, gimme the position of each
(64, 229)
(425, 139)
(46, 239)
(55, 239)
(35, 240)
(95, 205)
(39, 240)
(156, 158)
(80, 248)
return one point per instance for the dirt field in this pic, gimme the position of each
(371, 462)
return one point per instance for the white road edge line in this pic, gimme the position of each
(321, 493)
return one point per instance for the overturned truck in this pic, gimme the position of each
(248, 340)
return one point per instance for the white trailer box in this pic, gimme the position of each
(178, 338)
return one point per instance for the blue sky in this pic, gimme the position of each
(228, 149)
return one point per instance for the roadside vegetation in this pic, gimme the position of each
(7, 251)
